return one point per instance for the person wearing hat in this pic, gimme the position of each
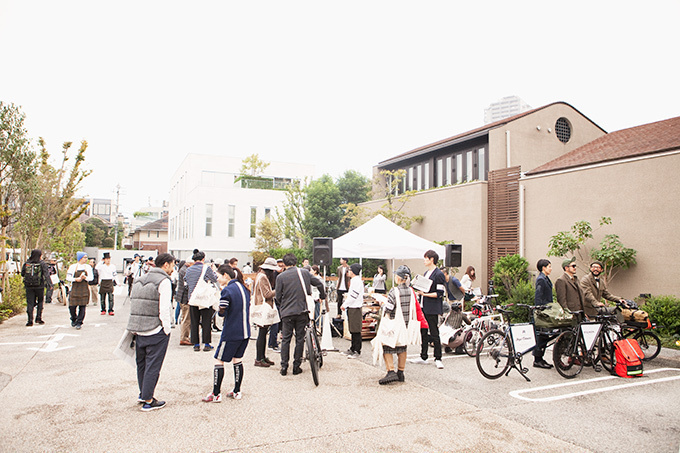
(79, 274)
(133, 271)
(354, 300)
(107, 276)
(263, 293)
(594, 290)
(51, 270)
(569, 294)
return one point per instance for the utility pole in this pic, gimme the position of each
(115, 235)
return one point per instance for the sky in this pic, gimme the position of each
(341, 85)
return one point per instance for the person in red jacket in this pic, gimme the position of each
(401, 296)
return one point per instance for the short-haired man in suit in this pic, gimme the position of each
(569, 294)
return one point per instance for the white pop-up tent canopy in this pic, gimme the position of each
(381, 239)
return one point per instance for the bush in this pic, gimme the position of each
(665, 311)
(508, 272)
(14, 299)
(522, 293)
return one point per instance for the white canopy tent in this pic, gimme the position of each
(381, 239)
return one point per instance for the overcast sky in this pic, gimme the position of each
(342, 85)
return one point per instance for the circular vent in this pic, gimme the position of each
(563, 130)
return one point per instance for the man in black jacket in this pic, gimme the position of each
(543, 296)
(291, 296)
(432, 308)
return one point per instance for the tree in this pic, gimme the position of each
(16, 167)
(95, 232)
(354, 189)
(292, 217)
(269, 235)
(387, 186)
(611, 251)
(251, 167)
(322, 209)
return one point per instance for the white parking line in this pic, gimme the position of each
(431, 360)
(635, 383)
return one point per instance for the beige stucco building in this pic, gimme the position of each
(507, 187)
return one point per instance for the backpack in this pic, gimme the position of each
(553, 315)
(628, 357)
(33, 275)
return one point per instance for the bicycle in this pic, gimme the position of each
(331, 294)
(313, 347)
(649, 342)
(501, 351)
(587, 343)
(480, 325)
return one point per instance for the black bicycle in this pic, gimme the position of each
(588, 343)
(314, 353)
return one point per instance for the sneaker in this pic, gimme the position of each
(390, 377)
(140, 400)
(274, 348)
(79, 326)
(267, 361)
(439, 364)
(73, 323)
(153, 405)
(210, 398)
(284, 371)
(234, 395)
(419, 361)
(262, 363)
(297, 370)
(207, 347)
(110, 313)
(197, 348)
(102, 313)
(185, 343)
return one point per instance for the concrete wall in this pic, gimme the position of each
(642, 198)
(531, 147)
(455, 213)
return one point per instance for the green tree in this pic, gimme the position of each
(322, 209)
(269, 235)
(70, 241)
(387, 186)
(16, 167)
(292, 217)
(574, 243)
(251, 167)
(95, 232)
(354, 189)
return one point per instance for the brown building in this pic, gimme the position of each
(507, 187)
(152, 236)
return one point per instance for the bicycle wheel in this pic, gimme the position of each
(317, 347)
(312, 356)
(493, 354)
(606, 347)
(332, 296)
(650, 344)
(568, 355)
(471, 343)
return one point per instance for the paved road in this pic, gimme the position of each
(63, 390)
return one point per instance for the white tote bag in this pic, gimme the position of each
(263, 314)
(309, 297)
(414, 336)
(205, 294)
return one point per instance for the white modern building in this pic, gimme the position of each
(213, 212)
(505, 108)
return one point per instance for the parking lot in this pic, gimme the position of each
(63, 390)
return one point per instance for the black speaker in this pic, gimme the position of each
(454, 255)
(323, 251)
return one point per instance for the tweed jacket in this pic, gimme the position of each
(593, 295)
(569, 294)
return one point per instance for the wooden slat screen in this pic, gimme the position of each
(503, 193)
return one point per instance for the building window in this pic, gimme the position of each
(469, 174)
(459, 168)
(208, 219)
(563, 130)
(481, 158)
(440, 172)
(448, 170)
(253, 221)
(419, 178)
(231, 220)
(411, 185)
(426, 176)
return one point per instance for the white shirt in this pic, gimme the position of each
(73, 268)
(355, 295)
(164, 306)
(106, 271)
(466, 282)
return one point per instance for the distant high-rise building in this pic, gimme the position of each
(504, 108)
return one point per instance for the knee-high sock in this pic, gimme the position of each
(218, 375)
(238, 376)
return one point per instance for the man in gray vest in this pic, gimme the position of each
(150, 302)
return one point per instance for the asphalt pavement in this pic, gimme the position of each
(62, 389)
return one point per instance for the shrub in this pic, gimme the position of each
(508, 272)
(522, 293)
(665, 311)
(14, 299)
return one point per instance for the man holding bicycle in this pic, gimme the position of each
(543, 296)
(594, 290)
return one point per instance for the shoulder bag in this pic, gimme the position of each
(263, 314)
(206, 294)
(309, 297)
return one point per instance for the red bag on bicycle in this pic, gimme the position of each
(628, 358)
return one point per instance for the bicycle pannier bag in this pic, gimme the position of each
(635, 316)
(553, 316)
(628, 358)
